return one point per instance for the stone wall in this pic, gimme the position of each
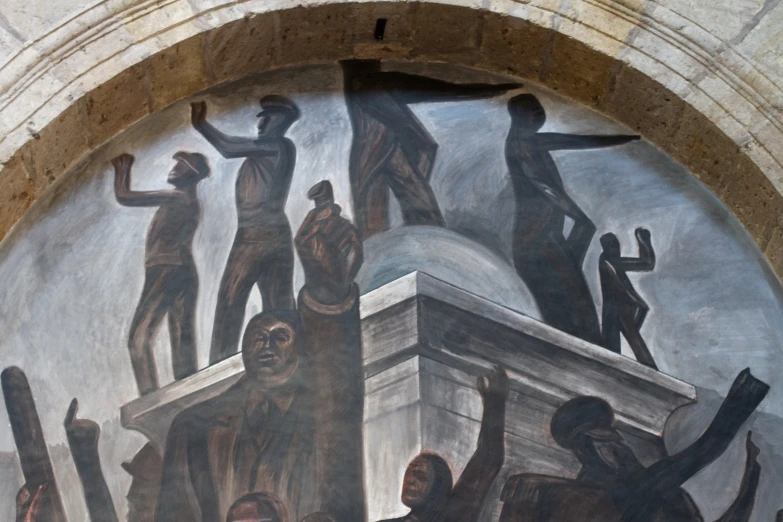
(698, 79)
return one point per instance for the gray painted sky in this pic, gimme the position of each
(71, 275)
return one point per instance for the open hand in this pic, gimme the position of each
(123, 162)
(198, 112)
(642, 234)
(494, 385)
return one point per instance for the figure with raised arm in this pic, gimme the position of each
(614, 486)
(291, 427)
(391, 149)
(549, 263)
(171, 278)
(262, 253)
(427, 485)
(624, 310)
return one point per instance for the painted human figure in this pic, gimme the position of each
(171, 279)
(613, 486)
(624, 310)
(427, 485)
(257, 507)
(391, 149)
(549, 263)
(292, 426)
(145, 468)
(83, 437)
(262, 253)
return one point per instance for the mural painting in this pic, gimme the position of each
(549, 321)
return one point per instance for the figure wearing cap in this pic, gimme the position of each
(262, 253)
(171, 279)
(292, 426)
(614, 486)
(391, 149)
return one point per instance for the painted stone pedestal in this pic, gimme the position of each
(425, 343)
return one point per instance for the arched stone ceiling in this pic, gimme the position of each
(667, 75)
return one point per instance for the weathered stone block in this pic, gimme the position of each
(118, 103)
(446, 30)
(515, 45)
(17, 195)
(59, 145)
(774, 251)
(577, 71)
(316, 33)
(177, 72)
(240, 48)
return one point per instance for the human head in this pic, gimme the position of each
(321, 193)
(146, 468)
(318, 517)
(526, 112)
(270, 347)
(276, 116)
(190, 167)
(585, 425)
(257, 507)
(427, 482)
(610, 243)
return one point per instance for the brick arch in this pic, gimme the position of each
(123, 67)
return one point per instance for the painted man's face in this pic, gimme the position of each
(181, 172)
(417, 483)
(253, 512)
(269, 347)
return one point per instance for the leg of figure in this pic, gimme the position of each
(235, 286)
(276, 278)
(611, 330)
(641, 315)
(416, 198)
(635, 340)
(154, 303)
(580, 237)
(374, 209)
(182, 325)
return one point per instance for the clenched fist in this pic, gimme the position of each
(329, 248)
(494, 386)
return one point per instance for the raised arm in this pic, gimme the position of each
(131, 198)
(557, 141)
(411, 88)
(646, 260)
(468, 495)
(742, 507)
(227, 146)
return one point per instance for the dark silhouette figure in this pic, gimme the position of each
(171, 279)
(83, 437)
(549, 263)
(262, 253)
(257, 507)
(427, 485)
(292, 426)
(145, 468)
(39, 499)
(391, 149)
(624, 310)
(613, 486)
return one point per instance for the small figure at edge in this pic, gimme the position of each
(171, 279)
(624, 310)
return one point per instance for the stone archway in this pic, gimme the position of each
(660, 74)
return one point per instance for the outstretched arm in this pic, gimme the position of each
(742, 507)
(228, 146)
(646, 260)
(131, 198)
(468, 495)
(557, 141)
(412, 88)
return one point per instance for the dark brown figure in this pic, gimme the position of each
(38, 499)
(391, 149)
(624, 310)
(427, 485)
(83, 437)
(292, 426)
(549, 263)
(257, 507)
(145, 468)
(171, 279)
(262, 253)
(613, 486)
